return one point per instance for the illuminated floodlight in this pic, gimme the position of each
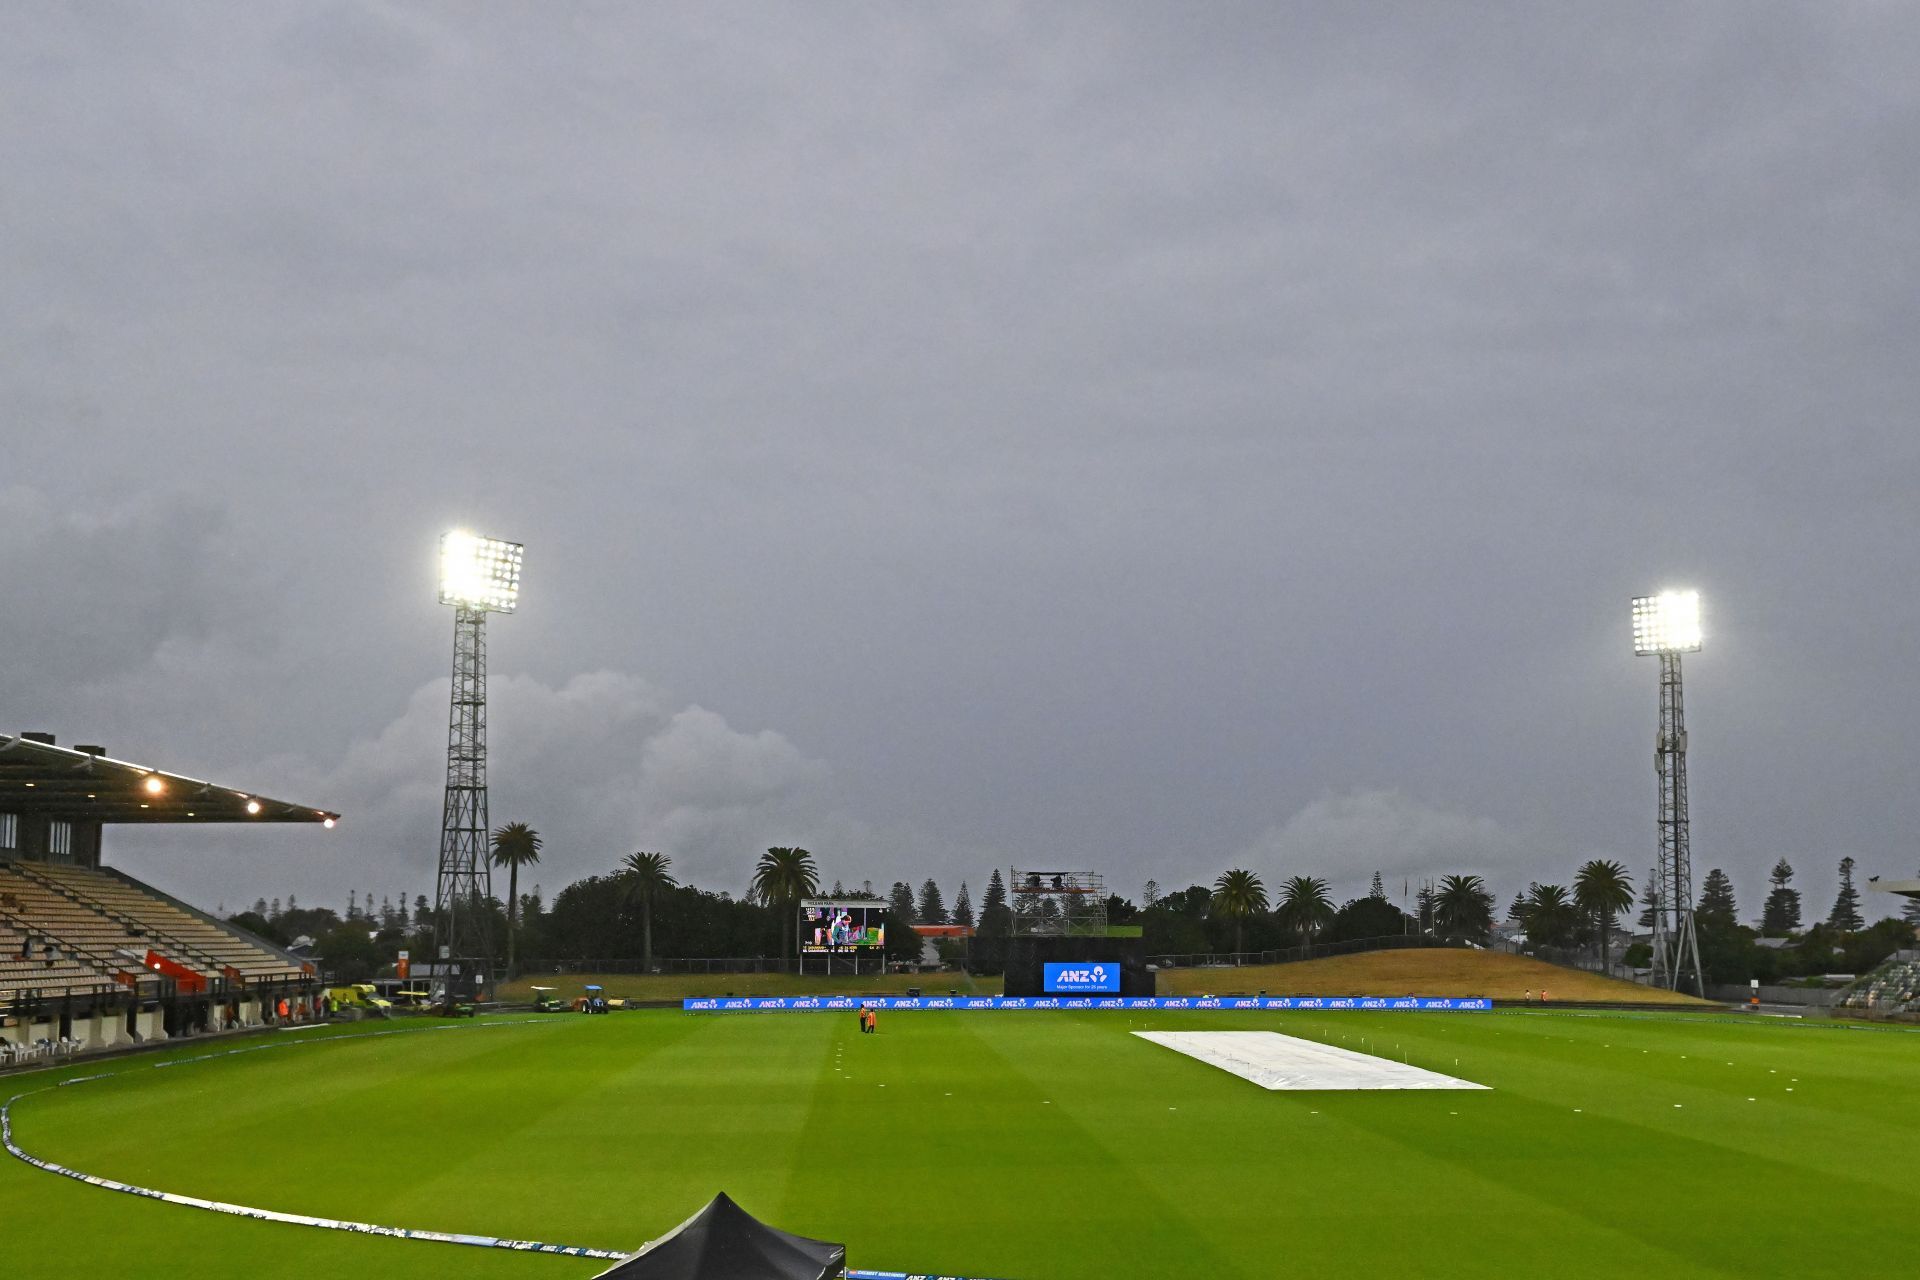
(1666, 623)
(154, 785)
(253, 806)
(478, 573)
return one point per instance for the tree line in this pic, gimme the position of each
(638, 910)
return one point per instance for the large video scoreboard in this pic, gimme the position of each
(829, 925)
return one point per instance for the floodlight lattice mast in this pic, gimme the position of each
(477, 576)
(1665, 626)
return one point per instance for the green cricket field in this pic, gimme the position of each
(1044, 1145)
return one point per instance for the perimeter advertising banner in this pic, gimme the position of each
(811, 1004)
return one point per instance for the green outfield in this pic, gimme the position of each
(1035, 1146)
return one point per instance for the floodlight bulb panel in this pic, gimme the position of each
(1666, 623)
(480, 573)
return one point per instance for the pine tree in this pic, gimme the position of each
(273, 912)
(1379, 889)
(353, 905)
(1149, 892)
(963, 907)
(1649, 897)
(1717, 907)
(422, 912)
(1845, 915)
(839, 890)
(993, 907)
(1781, 915)
(902, 942)
(996, 922)
(932, 908)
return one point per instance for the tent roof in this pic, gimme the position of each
(725, 1242)
(85, 784)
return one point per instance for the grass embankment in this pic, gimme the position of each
(1432, 972)
(1373, 973)
(680, 986)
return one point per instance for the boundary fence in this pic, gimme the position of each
(820, 1004)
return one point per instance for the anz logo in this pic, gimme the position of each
(1081, 977)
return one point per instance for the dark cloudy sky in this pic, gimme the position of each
(1156, 438)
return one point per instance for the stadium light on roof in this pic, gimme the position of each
(482, 574)
(1666, 623)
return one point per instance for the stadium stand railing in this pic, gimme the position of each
(33, 965)
(93, 959)
(1890, 991)
(225, 948)
(50, 923)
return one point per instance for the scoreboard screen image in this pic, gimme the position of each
(828, 924)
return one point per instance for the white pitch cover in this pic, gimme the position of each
(1274, 1061)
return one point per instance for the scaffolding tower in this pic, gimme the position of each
(1057, 903)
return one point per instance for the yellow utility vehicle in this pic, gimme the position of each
(359, 1000)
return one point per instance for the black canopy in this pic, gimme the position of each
(725, 1242)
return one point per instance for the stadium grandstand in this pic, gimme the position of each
(1893, 989)
(93, 959)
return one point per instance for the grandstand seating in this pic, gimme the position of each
(101, 928)
(1890, 990)
(174, 925)
(50, 972)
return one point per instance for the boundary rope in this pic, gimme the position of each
(335, 1224)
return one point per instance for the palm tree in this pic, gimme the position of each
(514, 846)
(1551, 918)
(1463, 908)
(645, 874)
(1305, 906)
(1603, 891)
(780, 879)
(1238, 894)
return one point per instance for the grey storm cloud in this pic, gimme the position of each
(1346, 838)
(1145, 437)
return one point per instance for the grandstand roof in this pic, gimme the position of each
(1905, 888)
(85, 784)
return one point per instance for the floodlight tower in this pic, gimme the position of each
(1664, 627)
(478, 576)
